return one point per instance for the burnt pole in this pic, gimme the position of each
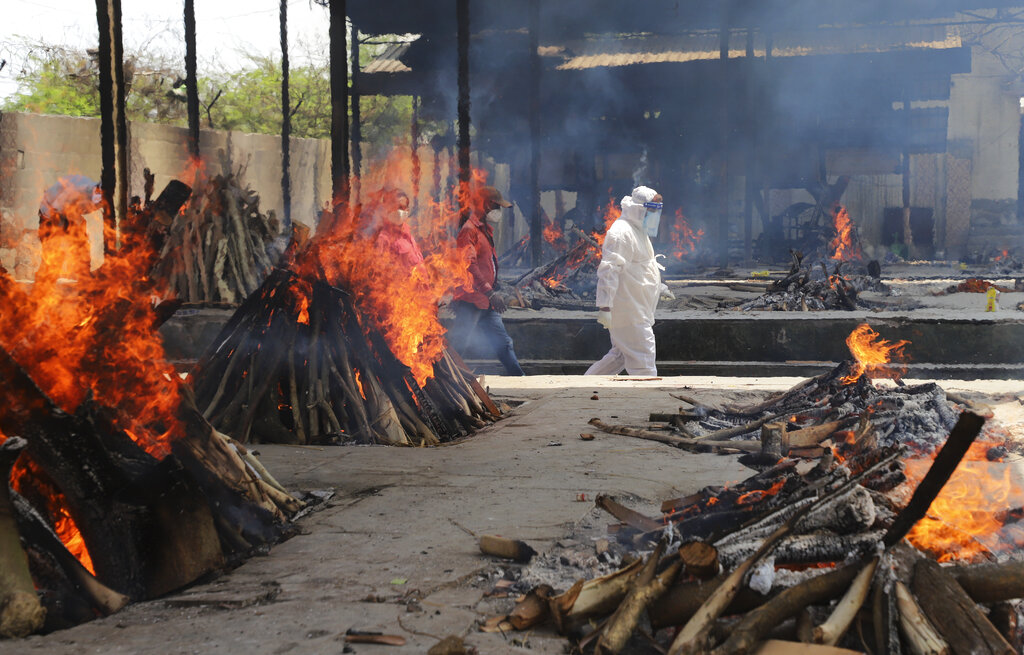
(750, 186)
(357, 116)
(722, 224)
(113, 124)
(462, 144)
(536, 229)
(191, 80)
(286, 124)
(339, 108)
(414, 138)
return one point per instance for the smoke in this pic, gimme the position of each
(640, 173)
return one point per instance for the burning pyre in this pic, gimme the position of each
(117, 488)
(345, 344)
(849, 469)
(810, 287)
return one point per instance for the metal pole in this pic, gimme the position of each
(339, 106)
(191, 80)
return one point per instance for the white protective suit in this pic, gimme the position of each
(629, 283)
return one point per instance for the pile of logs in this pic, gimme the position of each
(221, 246)
(567, 282)
(294, 364)
(813, 288)
(806, 551)
(150, 525)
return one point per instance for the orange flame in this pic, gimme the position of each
(56, 507)
(1002, 256)
(684, 239)
(400, 302)
(872, 355)
(94, 336)
(843, 246)
(757, 495)
(553, 234)
(965, 518)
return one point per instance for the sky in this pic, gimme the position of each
(225, 30)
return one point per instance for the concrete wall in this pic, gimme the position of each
(35, 150)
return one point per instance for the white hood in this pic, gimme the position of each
(633, 209)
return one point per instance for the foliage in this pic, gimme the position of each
(65, 82)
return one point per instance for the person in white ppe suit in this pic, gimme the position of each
(628, 286)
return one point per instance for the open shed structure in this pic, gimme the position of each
(714, 104)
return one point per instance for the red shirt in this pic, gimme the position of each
(397, 241)
(483, 266)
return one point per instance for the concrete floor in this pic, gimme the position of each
(390, 551)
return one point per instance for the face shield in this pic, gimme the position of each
(652, 217)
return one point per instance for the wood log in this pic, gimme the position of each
(692, 638)
(533, 609)
(513, 549)
(646, 588)
(991, 583)
(21, 613)
(957, 618)
(832, 630)
(36, 531)
(771, 441)
(700, 559)
(629, 517)
(678, 442)
(756, 624)
(806, 548)
(921, 636)
(591, 598)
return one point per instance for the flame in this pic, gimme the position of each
(872, 354)
(684, 239)
(359, 383)
(757, 495)
(843, 246)
(553, 234)
(965, 518)
(585, 252)
(25, 471)
(1000, 257)
(401, 303)
(94, 336)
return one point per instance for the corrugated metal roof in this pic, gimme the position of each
(390, 60)
(628, 50)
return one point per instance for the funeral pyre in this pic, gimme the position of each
(864, 488)
(569, 281)
(812, 287)
(343, 342)
(220, 247)
(116, 488)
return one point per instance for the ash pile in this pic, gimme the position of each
(836, 542)
(812, 287)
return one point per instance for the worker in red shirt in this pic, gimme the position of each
(393, 235)
(478, 309)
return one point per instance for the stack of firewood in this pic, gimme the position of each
(296, 365)
(221, 246)
(812, 554)
(567, 282)
(814, 288)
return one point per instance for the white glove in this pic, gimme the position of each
(605, 319)
(665, 292)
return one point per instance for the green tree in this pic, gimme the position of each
(65, 82)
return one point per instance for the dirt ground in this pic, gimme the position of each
(391, 551)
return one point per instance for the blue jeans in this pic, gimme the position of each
(482, 330)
